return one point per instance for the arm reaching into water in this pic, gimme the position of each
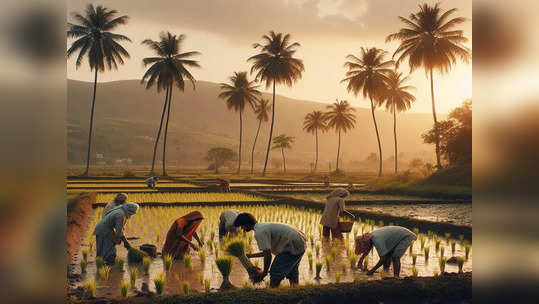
(267, 261)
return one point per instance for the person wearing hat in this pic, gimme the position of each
(332, 210)
(390, 242)
(109, 231)
(180, 235)
(118, 200)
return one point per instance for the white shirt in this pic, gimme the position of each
(279, 238)
(228, 217)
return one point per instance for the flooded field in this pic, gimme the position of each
(151, 224)
(321, 197)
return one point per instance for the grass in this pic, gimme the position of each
(185, 197)
(125, 288)
(159, 283)
(89, 288)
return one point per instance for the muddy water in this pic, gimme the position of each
(180, 273)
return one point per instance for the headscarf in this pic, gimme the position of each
(339, 192)
(363, 243)
(120, 197)
(130, 209)
(193, 216)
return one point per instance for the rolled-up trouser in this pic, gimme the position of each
(285, 265)
(105, 248)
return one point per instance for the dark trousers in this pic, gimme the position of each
(285, 265)
(335, 232)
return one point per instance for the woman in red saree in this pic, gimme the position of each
(180, 235)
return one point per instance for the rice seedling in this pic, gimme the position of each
(89, 288)
(310, 258)
(430, 234)
(99, 262)
(83, 265)
(207, 285)
(104, 272)
(125, 288)
(209, 244)
(146, 265)
(467, 249)
(328, 263)
(91, 244)
(357, 278)
(344, 265)
(216, 252)
(421, 241)
(447, 237)
(461, 238)
(460, 263)
(201, 278)
(382, 273)
(416, 230)
(256, 263)
(442, 250)
(202, 255)
(352, 259)
(224, 264)
(437, 243)
(311, 239)
(414, 258)
(186, 287)
(237, 248)
(318, 270)
(159, 283)
(337, 277)
(453, 245)
(317, 249)
(212, 235)
(435, 273)
(427, 250)
(167, 261)
(85, 254)
(133, 272)
(187, 262)
(120, 262)
(441, 263)
(414, 271)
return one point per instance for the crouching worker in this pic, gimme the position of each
(226, 222)
(390, 243)
(180, 235)
(151, 182)
(109, 231)
(286, 243)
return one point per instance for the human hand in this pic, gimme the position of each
(127, 245)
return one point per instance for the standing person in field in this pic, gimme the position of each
(226, 222)
(118, 200)
(326, 180)
(286, 243)
(181, 234)
(151, 182)
(390, 243)
(332, 210)
(109, 231)
(224, 185)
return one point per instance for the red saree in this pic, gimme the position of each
(186, 225)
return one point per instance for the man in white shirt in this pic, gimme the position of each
(226, 222)
(286, 243)
(152, 181)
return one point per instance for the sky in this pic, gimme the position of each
(225, 30)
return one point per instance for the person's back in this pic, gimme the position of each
(332, 209)
(280, 238)
(386, 238)
(110, 220)
(226, 221)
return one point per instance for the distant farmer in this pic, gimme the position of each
(226, 222)
(224, 185)
(286, 243)
(180, 235)
(332, 210)
(350, 187)
(118, 200)
(109, 231)
(326, 180)
(151, 182)
(390, 243)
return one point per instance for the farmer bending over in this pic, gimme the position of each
(285, 242)
(226, 222)
(118, 200)
(390, 243)
(151, 182)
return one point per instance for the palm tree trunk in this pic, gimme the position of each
(271, 130)
(216, 167)
(338, 152)
(436, 131)
(378, 138)
(239, 153)
(91, 127)
(316, 159)
(159, 132)
(395, 134)
(284, 160)
(254, 145)
(166, 130)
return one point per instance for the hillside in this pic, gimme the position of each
(127, 117)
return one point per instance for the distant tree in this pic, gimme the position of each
(95, 41)
(219, 157)
(283, 142)
(416, 163)
(341, 117)
(367, 74)
(430, 40)
(275, 64)
(262, 115)
(169, 67)
(397, 99)
(314, 122)
(238, 94)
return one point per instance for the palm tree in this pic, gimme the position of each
(340, 117)
(283, 142)
(275, 64)
(95, 41)
(430, 40)
(397, 99)
(261, 110)
(313, 122)
(239, 93)
(367, 74)
(169, 67)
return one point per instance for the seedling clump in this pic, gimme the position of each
(382, 273)
(353, 260)
(442, 250)
(99, 262)
(460, 263)
(328, 263)
(237, 249)
(167, 261)
(89, 287)
(207, 284)
(414, 258)
(125, 288)
(120, 262)
(453, 244)
(187, 262)
(185, 287)
(414, 271)
(310, 258)
(441, 262)
(159, 283)
(83, 265)
(202, 255)
(104, 273)
(85, 254)
(427, 250)
(337, 277)
(146, 264)
(318, 270)
(224, 264)
(133, 272)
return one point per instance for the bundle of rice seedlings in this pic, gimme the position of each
(85, 254)
(337, 277)
(414, 258)
(187, 262)
(125, 288)
(460, 263)
(185, 287)
(224, 264)
(104, 272)
(120, 262)
(89, 288)
(83, 265)
(318, 270)
(167, 261)
(146, 264)
(441, 263)
(133, 272)
(159, 283)
(207, 285)
(99, 262)
(414, 272)
(135, 256)
(237, 248)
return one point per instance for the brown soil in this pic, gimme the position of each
(78, 213)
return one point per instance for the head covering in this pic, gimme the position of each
(339, 192)
(130, 209)
(193, 216)
(120, 198)
(363, 242)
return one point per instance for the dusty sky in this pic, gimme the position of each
(224, 31)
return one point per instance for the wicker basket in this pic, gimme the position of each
(346, 226)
